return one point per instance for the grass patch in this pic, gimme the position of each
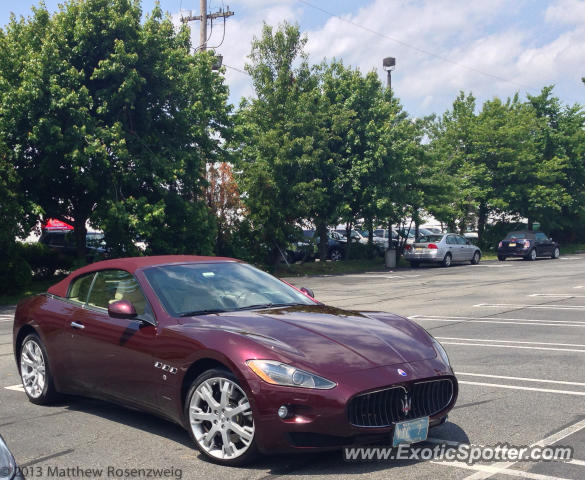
(331, 268)
(573, 248)
(37, 286)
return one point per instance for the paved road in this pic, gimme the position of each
(515, 333)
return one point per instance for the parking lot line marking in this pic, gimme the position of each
(520, 347)
(580, 286)
(512, 341)
(445, 317)
(519, 387)
(16, 388)
(581, 463)
(494, 470)
(560, 295)
(522, 379)
(554, 438)
(424, 319)
(522, 305)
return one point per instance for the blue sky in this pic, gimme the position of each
(488, 47)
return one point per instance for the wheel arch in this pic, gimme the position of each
(196, 369)
(24, 331)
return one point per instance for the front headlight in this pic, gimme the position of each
(278, 373)
(441, 351)
(7, 463)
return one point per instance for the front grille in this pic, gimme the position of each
(382, 408)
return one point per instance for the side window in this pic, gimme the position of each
(113, 285)
(451, 240)
(80, 288)
(461, 240)
(540, 236)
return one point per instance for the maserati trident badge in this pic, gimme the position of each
(406, 404)
(402, 372)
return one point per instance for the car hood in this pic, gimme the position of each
(327, 338)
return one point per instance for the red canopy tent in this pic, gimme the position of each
(54, 224)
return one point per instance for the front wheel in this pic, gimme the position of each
(476, 258)
(220, 418)
(35, 372)
(556, 253)
(335, 254)
(446, 261)
(532, 255)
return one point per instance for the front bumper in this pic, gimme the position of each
(320, 417)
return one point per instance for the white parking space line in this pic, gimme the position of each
(559, 295)
(512, 341)
(554, 438)
(520, 387)
(580, 286)
(522, 379)
(457, 318)
(518, 347)
(501, 321)
(522, 305)
(581, 463)
(16, 388)
(491, 470)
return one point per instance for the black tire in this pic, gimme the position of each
(48, 394)
(501, 258)
(252, 451)
(335, 254)
(531, 255)
(415, 264)
(556, 253)
(446, 261)
(476, 258)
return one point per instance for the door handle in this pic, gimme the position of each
(77, 325)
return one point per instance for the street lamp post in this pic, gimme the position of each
(389, 64)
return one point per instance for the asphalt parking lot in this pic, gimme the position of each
(515, 333)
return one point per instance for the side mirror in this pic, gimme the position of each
(122, 309)
(308, 291)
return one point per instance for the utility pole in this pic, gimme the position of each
(203, 18)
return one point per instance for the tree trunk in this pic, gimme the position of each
(80, 232)
(390, 244)
(323, 241)
(481, 220)
(348, 227)
(530, 223)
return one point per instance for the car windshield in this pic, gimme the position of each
(515, 235)
(430, 238)
(200, 288)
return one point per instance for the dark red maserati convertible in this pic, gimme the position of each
(245, 362)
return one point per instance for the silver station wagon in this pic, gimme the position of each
(445, 248)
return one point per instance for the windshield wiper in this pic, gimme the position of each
(202, 312)
(268, 305)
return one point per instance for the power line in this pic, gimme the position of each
(418, 49)
(237, 69)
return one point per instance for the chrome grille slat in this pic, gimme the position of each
(383, 407)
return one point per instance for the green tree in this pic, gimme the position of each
(275, 138)
(112, 119)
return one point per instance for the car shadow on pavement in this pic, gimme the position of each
(295, 463)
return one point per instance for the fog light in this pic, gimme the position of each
(283, 411)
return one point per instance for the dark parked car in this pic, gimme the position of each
(528, 245)
(245, 362)
(308, 248)
(8, 468)
(63, 241)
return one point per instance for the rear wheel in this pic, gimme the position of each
(35, 372)
(476, 258)
(220, 418)
(415, 264)
(556, 253)
(446, 261)
(501, 258)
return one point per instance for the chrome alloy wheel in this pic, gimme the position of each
(221, 418)
(32, 368)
